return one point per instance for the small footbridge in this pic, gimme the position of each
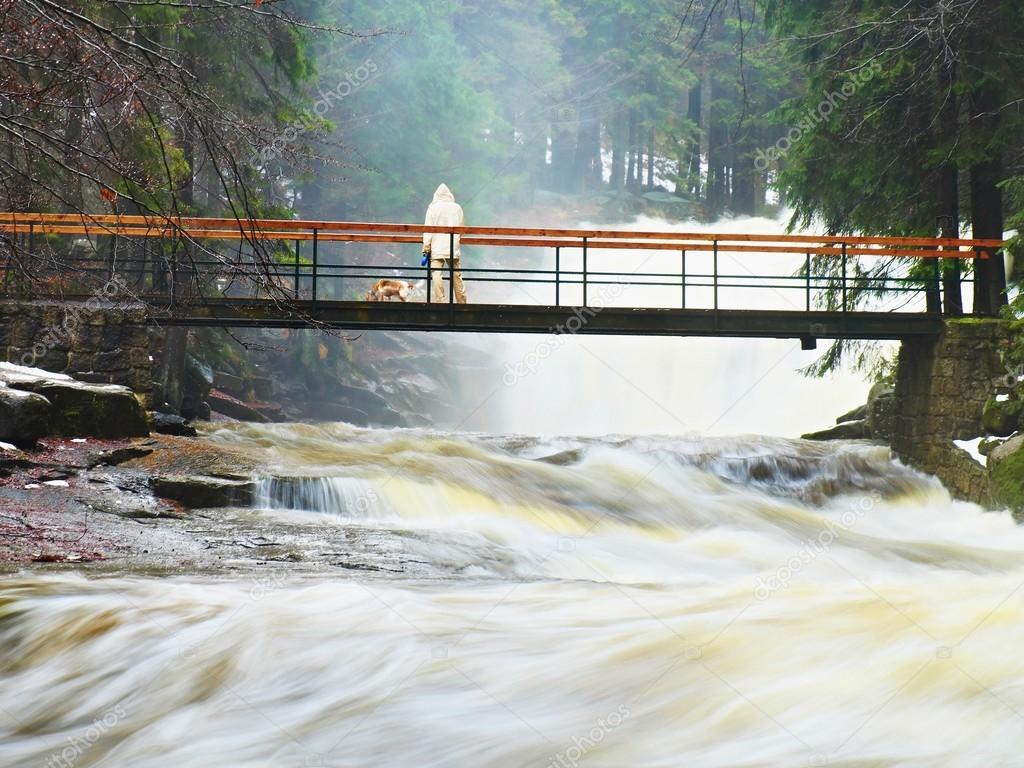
(292, 273)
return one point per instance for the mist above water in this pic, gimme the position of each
(593, 385)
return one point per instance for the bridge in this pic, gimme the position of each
(293, 273)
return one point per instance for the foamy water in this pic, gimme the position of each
(621, 602)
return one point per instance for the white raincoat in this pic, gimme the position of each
(443, 212)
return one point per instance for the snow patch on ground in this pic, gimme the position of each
(970, 447)
(24, 370)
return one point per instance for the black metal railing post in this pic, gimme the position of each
(174, 273)
(714, 282)
(451, 269)
(558, 274)
(807, 272)
(430, 257)
(682, 277)
(844, 277)
(315, 262)
(297, 245)
(584, 271)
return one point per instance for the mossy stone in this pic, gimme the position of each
(1002, 417)
(1006, 475)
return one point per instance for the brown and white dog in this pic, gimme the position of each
(385, 290)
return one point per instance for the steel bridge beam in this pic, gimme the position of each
(502, 318)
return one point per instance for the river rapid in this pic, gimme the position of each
(618, 601)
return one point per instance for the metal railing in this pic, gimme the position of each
(182, 261)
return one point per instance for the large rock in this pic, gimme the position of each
(228, 382)
(202, 491)
(1001, 417)
(336, 412)
(851, 430)
(373, 405)
(24, 417)
(236, 409)
(1006, 474)
(198, 381)
(77, 408)
(881, 412)
(172, 424)
(857, 414)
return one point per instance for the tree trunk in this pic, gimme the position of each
(587, 172)
(949, 188)
(949, 193)
(73, 141)
(631, 139)
(173, 365)
(987, 223)
(638, 151)
(743, 185)
(563, 150)
(618, 153)
(693, 166)
(987, 204)
(650, 159)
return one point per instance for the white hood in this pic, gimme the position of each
(443, 194)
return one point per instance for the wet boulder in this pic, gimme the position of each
(986, 446)
(1002, 417)
(24, 416)
(1006, 474)
(75, 408)
(881, 412)
(329, 411)
(204, 491)
(851, 430)
(99, 410)
(171, 424)
(78, 408)
(234, 408)
(857, 414)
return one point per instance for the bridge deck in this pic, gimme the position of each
(502, 318)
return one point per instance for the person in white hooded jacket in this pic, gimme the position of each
(443, 212)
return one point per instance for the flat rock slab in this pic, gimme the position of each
(851, 430)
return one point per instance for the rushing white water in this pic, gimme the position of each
(604, 602)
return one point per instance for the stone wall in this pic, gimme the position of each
(942, 386)
(105, 345)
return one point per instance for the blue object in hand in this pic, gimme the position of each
(424, 260)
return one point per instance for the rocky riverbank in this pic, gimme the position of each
(155, 506)
(956, 410)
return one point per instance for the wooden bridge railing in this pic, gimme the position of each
(160, 274)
